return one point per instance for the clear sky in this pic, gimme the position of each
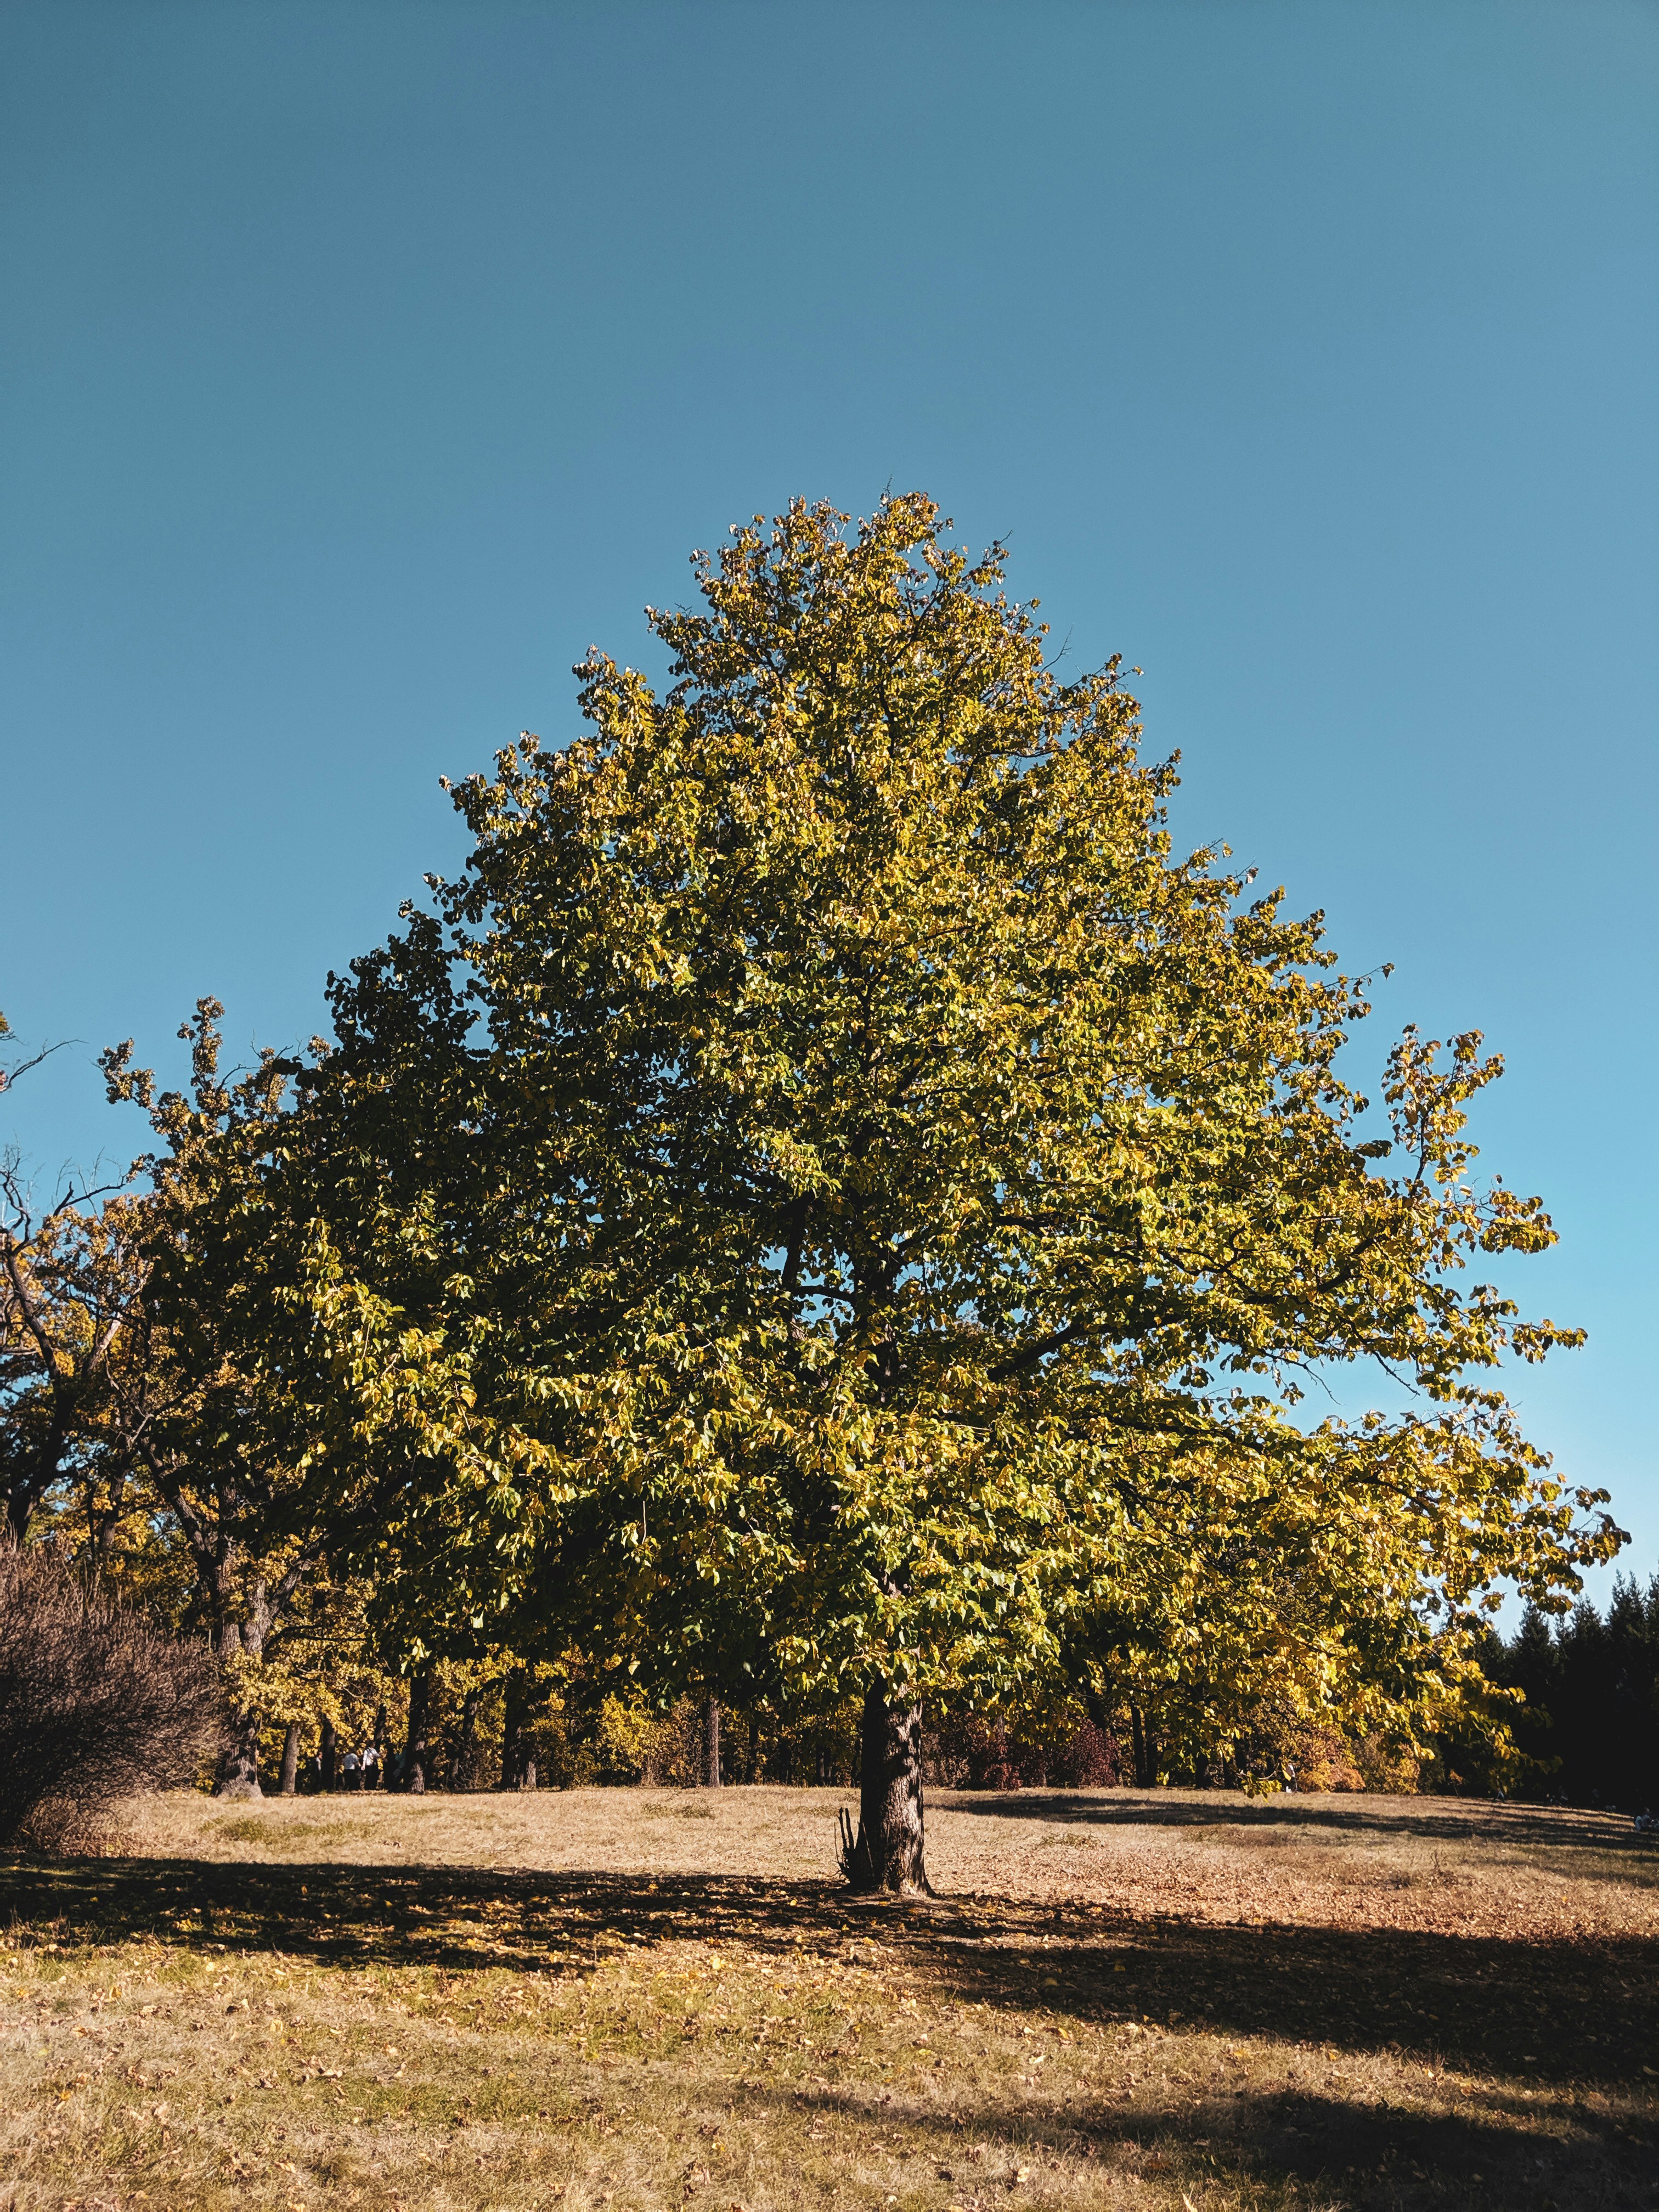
(364, 361)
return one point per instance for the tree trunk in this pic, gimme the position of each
(515, 1702)
(329, 1748)
(887, 1852)
(1145, 1751)
(711, 1744)
(462, 1777)
(415, 1753)
(238, 1763)
(20, 1506)
(101, 1527)
(291, 1759)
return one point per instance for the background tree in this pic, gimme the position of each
(1587, 1729)
(214, 1442)
(70, 1278)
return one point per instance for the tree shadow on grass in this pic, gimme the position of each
(1434, 1819)
(1350, 2153)
(1572, 2021)
(1583, 2011)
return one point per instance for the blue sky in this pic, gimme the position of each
(363, 363)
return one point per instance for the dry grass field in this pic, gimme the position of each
(1173, 2002)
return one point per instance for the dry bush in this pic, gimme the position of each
(94, 1703)
(1061, 1750)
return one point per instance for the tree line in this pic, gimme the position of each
(829, 1217)
(1587, 1729)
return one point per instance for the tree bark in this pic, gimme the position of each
(243, 1609)
(462, 1777)
(886, 1854)
(101, 1527)
(1145, 1750)
(515, 1701)
(327, 1752)
(238, 1766)
(239, 1762)
(415, 1753)
(711, 1744)
(291, 1759)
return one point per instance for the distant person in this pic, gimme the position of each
(371, 1767)
(351, 1772)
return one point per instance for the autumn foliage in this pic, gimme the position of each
(831, 1210)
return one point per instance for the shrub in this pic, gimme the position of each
(1087, 1759)
(1384, 1765)
(94, 1703)
(1061, 1749)
(624, 1742)
(677, 1755)
(1322, 1760)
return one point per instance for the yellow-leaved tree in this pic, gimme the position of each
(852, 1210)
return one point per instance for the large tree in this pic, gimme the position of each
(854, 1210)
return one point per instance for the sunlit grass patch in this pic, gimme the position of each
(266, 2033)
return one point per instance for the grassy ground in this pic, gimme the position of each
(645, 1999)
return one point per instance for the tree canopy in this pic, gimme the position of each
(829, 1199)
